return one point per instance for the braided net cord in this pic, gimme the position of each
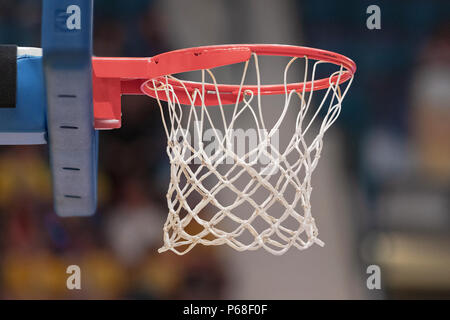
(197, 212)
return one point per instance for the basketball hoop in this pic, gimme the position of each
(247, 198)
(198, 177)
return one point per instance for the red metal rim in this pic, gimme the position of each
(229, 93)
(114, 77)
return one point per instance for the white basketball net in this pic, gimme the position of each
(275, 222)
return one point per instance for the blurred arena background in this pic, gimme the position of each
(382, 189)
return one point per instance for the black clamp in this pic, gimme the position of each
(8, 77)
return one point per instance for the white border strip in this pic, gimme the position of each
(28, 51)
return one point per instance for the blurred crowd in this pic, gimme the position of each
(396, 129)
